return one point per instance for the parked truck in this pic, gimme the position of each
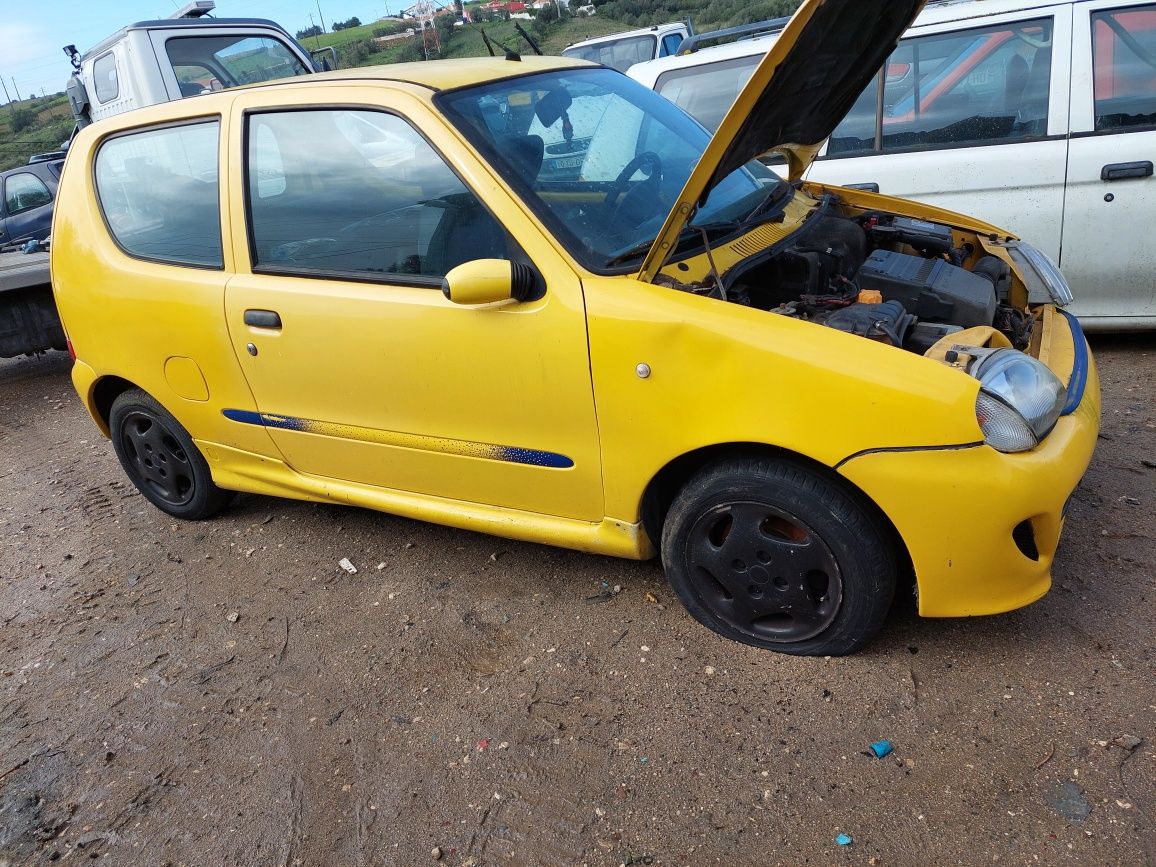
(149, 62)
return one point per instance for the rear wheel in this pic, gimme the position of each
(778, 555)
(159, 456)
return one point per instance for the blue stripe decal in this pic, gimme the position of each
(420, 442)
(1079, 379)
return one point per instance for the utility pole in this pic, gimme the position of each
(17, 89)
(316, 37)
(7, 98)
(319, 15)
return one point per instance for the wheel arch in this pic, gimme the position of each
(104, 393)
(668, 481)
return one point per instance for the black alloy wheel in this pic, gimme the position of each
(769, 572)
(161, 460)
(780, 555)
(158, 460)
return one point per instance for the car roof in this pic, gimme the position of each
(44, 169)
(436, 74)
(940, 11)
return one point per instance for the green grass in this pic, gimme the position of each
(53, 125)
(344, 37)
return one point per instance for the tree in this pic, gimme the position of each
(309, 31)
(22, 118)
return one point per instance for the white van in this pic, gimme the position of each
(1039, 116)
(623, 50)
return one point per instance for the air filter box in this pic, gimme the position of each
(931, 289)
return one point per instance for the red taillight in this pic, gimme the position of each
(71, 351)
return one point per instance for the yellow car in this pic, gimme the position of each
(530, 297)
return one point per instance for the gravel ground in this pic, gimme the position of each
(223, 693)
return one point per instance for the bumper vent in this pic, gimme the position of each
(1024, 535)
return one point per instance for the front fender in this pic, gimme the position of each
(724, 373)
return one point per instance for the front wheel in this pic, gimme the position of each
(778, 555)
(160, 458)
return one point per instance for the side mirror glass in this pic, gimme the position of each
(489, 281)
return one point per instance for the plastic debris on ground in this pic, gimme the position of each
(882, 749)
(347, 565)
(844, 840)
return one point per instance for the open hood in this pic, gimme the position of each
(827, 54)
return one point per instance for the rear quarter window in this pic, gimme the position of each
(104, 76)
(158, 191)
(1124, 48)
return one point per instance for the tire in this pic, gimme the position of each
(159, 457)
(778, 555)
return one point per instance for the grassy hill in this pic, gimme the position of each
(31, 127)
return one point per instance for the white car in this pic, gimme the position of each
(1039, 116)
(623, 50)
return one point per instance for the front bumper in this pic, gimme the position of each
(956, 511)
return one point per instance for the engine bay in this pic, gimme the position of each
(897, 280)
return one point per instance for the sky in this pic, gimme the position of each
(33, 34)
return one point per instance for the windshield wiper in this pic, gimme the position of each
(687, 234)
(780, 194)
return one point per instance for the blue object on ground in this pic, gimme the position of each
(844, 840)
(882, 749)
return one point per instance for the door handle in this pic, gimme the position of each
(867, 187)
(263, 318)
(1123, 171)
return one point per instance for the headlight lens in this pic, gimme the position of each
(1019, 402)
(1048, 271)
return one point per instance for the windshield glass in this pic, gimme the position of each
(600, 159)
(620, 54)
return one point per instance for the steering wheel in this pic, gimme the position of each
(618, 187)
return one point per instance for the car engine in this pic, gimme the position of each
(892, 279)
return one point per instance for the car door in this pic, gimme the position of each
(361, 369)
(1108, 256)
(973, 117)
(27, 208)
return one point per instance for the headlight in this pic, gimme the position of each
(1046, 270)
(1019, 400)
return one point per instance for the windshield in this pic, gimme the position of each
(601, 160)
(620, 54)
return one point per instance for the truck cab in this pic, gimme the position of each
(189, 54)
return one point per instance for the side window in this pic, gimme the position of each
(981, 86)
(25, 191)
(670, 44)
(104, 75)
(158, 190)
(376, 200)
(1124, 66)
(705, 92)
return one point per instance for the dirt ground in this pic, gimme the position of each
(223, 693)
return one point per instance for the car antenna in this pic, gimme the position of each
(528, 38)
(486, 39)
(510, 54)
